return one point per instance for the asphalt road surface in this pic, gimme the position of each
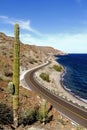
(71, 111)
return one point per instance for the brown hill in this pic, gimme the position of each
(30, 55)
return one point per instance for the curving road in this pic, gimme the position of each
(74, 113)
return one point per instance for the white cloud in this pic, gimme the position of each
(3, 17)
(23, 24)
(75, 43)
(69, 43)
(64, 41)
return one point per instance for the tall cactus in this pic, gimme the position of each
(43, 111)
(16, 71)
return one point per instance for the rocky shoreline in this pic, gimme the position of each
(55, 85)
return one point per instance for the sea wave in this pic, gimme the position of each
(84, 100)
(73, 94)
(64, 73)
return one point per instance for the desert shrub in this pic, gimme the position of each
(1, 64)
(25, 95)
(61, 121)
(42, 113)
(45, 77)
(8, 73)
(57, 68)
(79, 128)
(6, 114)
(32, 115)
(1, 79)
(32, 61)
(10, 55)
(28, 116)
(42, 117)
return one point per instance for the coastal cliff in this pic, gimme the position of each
(30, 57)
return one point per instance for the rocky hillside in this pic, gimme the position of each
(29, 101)
(30, 55)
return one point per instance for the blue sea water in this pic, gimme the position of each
(74, 79)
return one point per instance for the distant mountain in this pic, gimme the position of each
(30, 55)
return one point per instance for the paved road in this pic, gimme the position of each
(71, 111)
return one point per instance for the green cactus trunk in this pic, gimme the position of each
(16, 70)
(43, 111)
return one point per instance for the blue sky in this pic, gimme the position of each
(61, 24)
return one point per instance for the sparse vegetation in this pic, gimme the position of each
(29, 116)
(61, 121)
(5, 114)
(32, 61)
(79, 128)
(25, 95)
(57, 68)
(1, 78)
(45, 77)
(29, 112)
(42, 115)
